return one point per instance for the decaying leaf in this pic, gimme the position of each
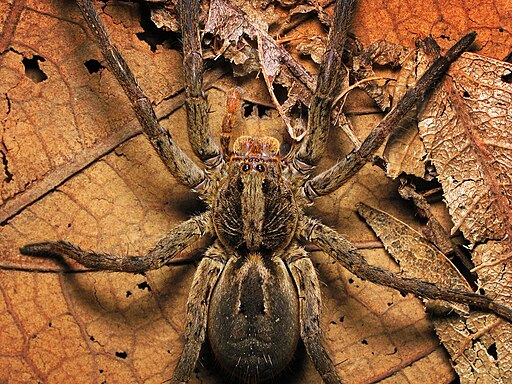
(479, 343)
(231, 22)
(466, 129)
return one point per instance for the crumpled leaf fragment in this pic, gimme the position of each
(230, 23)
(314, 46)
(380, 53)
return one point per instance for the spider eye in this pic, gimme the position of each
(260, 168)
(246, 167)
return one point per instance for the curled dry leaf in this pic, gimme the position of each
(231, 22)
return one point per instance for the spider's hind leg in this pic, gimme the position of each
(308, 287)
(205, 278)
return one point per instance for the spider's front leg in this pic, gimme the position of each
(336, 246)
(330, 78)
(308, 288)
(333, 178)
(180, 165)
(176, 241)
(199, 133)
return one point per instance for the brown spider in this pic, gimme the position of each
(255, 293)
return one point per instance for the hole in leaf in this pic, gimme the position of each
(351, 281)
(32, 69)
(92, 338)
(466, 94)
(152, 35)
(93, 66)
(507, 78)
(255, 109)
(364, 342)
(144, 285)
(280, 92)
(122, 355)
(128, 293)
(493, 351)
(8, 175)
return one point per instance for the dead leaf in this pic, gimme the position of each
(478, 343)
(465, 128)
(231, 22)
(94, 327)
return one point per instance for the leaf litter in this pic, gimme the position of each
(349, 325)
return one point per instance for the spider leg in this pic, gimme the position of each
(308, 287)
(180, 165)
(330, 78)
(199, 133)
(177, 240)
(333, 178)
(332, 243)
(206, 276)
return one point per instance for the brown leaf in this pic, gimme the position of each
(469, 339)
(95, 327)
(230, 22)
(465, 128)
(415, 255)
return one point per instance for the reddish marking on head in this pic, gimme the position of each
(255, 151)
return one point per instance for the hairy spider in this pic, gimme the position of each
(255, 293)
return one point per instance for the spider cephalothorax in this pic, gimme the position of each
(255, 209)
(255, 292)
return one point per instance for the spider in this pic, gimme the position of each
(255, 293)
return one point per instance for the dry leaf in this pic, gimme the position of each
(479, 343)
(230, 22)
(70, 170)
(466, 129)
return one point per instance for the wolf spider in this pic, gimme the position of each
(255, 293)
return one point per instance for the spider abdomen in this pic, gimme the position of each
(253, 320)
